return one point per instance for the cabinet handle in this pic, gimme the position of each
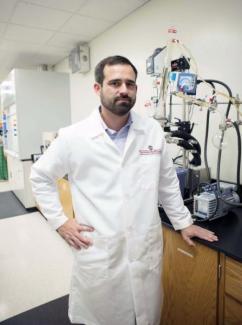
(219, 271)
(184, 252)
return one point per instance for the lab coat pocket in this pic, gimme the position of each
(149, 172)
(138, 248)
(91, 265)
(155, 242)
(117, 254)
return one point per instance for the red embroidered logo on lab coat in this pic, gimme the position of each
(150, 151)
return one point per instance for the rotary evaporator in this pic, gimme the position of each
(176, 82)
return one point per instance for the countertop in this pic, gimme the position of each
(228, 229)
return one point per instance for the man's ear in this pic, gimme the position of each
(97, 88)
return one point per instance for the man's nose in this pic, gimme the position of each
(123, 88)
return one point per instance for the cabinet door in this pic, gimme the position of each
(233, 292)
(232, 311)
(65, 197)
(190, 282)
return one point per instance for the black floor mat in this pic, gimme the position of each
(51, 313)
(10, 206)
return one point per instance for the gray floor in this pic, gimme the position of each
(52, 313)
(10, 206)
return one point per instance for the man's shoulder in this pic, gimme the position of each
(147, 123)
(78, 128)
(74, 127)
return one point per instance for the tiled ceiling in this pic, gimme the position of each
(39, 32)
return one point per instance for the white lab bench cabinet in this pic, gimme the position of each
(32, 102)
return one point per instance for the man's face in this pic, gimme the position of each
(118, 91)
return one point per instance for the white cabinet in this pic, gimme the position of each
(32, 102)
(15, 172)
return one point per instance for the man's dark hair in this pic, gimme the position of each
(111, 60)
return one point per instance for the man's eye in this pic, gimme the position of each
(118, 83)
(115, 83)
(130, 84)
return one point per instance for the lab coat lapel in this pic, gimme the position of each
(129, 141)
(96, 130)
(136, 128)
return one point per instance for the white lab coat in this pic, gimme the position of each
(117, 279)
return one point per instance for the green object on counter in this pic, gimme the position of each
(3, 165)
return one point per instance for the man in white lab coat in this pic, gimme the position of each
(118, 169)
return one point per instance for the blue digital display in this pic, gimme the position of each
(187, 83)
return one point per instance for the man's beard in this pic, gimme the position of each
(119, 106)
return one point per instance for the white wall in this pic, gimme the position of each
(212, 32)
